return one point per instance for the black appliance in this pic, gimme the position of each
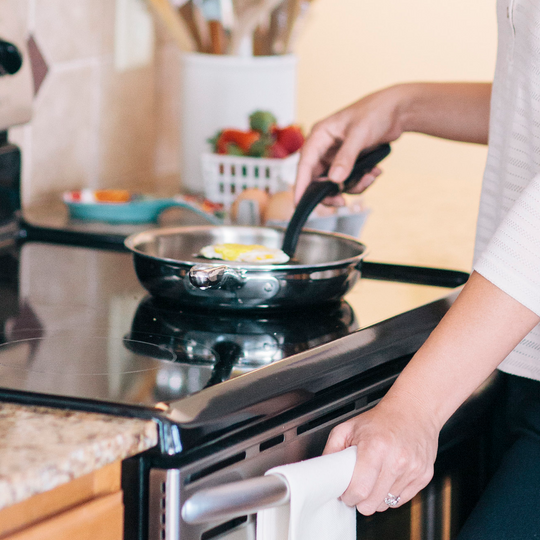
(232, 395)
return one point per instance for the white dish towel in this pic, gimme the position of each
(314, 511)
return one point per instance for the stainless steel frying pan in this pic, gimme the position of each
(325, 267)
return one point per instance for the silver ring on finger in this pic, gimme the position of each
(392, 500)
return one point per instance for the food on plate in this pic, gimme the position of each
(203, 204)
(112, 195)
(122, 206)
(252, 253)
(280, 207)
(263, 139)
(258, 197)
(98, 196)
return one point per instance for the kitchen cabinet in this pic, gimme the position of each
(87, 508)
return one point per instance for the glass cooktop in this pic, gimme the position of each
(75, 322)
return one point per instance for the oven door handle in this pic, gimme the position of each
(235, 499)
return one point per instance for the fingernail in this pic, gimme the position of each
(337, 173)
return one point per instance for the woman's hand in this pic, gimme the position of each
(397, 439)
(456, 111)
(336, 141)
(396, 451)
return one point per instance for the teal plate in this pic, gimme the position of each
(143, 210)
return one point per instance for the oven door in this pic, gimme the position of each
(217, 496)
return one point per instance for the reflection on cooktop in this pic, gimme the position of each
(261, 338)
(67, 353)
(104, 367)
(168, 353)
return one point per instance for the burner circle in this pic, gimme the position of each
(74, 353)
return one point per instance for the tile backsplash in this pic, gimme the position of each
(15, 87)
(92, 125)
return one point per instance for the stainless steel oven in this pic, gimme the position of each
(209, 497)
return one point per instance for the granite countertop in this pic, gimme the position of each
(41, 448)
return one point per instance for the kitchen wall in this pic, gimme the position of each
(95, 126)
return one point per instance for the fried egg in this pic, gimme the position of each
(253, 253)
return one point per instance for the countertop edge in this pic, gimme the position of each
(42, 448)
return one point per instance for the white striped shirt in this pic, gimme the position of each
(507, 251)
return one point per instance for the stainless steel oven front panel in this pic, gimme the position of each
(297, 439)
(434, 514)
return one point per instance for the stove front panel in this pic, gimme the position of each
(435, 514)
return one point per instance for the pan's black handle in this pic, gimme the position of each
(229, 353)
(316, 192)
(418, 275)
(365, 161)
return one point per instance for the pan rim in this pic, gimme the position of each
(132, 240)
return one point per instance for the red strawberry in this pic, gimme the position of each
(276, 150)
(290, 138)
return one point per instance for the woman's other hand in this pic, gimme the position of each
(397, 440)
(395, 455)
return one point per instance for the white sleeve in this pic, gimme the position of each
(511, 260)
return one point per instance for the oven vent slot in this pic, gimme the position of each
(312, 424)
(216, 467)
(274, 441)
(223, 528)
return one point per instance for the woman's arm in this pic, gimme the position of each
(397, 439)
(457, 111)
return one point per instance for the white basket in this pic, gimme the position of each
(226, 176)
(221, 90)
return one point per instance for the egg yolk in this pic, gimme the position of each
(251, 253)
(231, 252)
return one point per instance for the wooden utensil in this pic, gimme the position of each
(293, 12)
(198, 27)
(177, 28)
(286, 20)
(262, 44)
(248, 20)
(278, 26)
(218, 37)
(301, 9)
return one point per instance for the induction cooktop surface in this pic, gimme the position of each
(76, 327)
